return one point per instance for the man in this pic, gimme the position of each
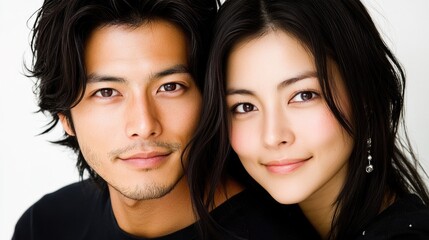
(123, 79)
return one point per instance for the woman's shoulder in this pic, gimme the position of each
(407, 218)
(255, 215)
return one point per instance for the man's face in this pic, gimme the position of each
(139, 110)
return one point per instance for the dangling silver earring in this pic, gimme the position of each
(369, 168)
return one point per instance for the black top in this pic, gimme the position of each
(407, 218)
(82, 211)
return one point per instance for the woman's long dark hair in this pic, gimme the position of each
(342, 31)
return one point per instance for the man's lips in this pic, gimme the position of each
(145, 155)
(285, 166)
(146, 160)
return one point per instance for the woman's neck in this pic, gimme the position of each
(320, 213)
(320, 207)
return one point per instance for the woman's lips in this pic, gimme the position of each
(285, 166)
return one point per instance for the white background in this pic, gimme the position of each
(30, 166)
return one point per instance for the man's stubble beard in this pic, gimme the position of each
(146, 191)
(138, 192)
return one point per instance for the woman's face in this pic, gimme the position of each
(280, 125)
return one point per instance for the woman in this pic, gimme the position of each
(311, 99)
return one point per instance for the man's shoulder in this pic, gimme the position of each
(70, 198)
(63, 210)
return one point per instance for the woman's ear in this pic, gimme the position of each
(66, 124)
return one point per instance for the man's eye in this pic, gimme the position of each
(169, 87)
(244, 108)
(106, 93)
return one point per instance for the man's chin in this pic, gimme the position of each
(141, 192)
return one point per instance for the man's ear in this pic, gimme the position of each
(66, 124)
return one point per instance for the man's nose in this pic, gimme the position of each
(142, 119)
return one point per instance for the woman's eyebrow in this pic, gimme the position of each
(283, 84)
(292, 80)
(239, 92)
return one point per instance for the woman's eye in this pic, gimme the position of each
(106, 93)
(169, 87)
(244, 108)
(304, 96)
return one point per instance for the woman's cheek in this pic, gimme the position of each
(242, 138)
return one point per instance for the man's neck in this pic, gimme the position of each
(157, 217)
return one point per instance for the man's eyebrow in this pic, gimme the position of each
(283, 84)
(179, 68)
(93, 78)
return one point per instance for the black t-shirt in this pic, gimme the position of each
(407, 218)
(82, 211)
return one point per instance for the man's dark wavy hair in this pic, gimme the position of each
(63, 26)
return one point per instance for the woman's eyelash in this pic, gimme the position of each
(243, 107)
(304, 95)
